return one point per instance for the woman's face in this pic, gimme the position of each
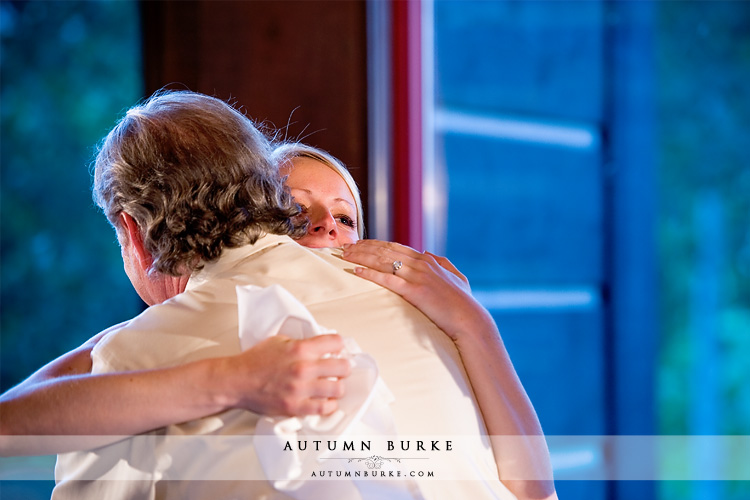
(326, 201)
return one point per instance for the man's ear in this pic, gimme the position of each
(134, 238)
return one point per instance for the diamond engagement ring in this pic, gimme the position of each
(397, 265)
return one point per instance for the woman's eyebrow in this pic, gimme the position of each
(345, 201)
(308, 191)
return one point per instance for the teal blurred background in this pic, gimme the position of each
(545, 228)
(595, 158)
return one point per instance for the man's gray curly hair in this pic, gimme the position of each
(196, 176)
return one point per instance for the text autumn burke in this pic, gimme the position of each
(319, 445)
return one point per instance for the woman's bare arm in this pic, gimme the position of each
(441, 292)
(64, 399)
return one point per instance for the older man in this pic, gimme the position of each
(199, 210)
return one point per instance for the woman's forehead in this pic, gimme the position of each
(311, 174)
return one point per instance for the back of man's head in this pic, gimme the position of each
(195, 175)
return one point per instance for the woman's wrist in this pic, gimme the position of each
(213, 389)
(474, 329)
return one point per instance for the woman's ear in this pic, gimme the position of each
(134, 238)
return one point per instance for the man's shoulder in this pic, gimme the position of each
(192, 325)
(311, 274)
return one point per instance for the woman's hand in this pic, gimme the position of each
(281, 376)
(430, 283)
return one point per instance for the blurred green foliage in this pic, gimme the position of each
(703, 99)
(69, 68)
(704, 143)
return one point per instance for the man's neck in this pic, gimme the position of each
(164, 287)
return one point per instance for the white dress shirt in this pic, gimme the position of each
(433, 399)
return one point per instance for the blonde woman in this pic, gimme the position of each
(264, 379)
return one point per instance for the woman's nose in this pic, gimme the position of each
(322, 222)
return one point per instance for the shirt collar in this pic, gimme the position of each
(230, 256)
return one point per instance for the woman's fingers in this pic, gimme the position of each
(392, 246)
(427, 281)
(416, 268)
(415, 276)
(318, 406)
(318, 346)
(448, 265)
(327, 389)
(387, 249)
(332, 367)
(384, 256)
(392, 282)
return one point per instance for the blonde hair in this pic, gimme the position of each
(285, 152)
(196, 176)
